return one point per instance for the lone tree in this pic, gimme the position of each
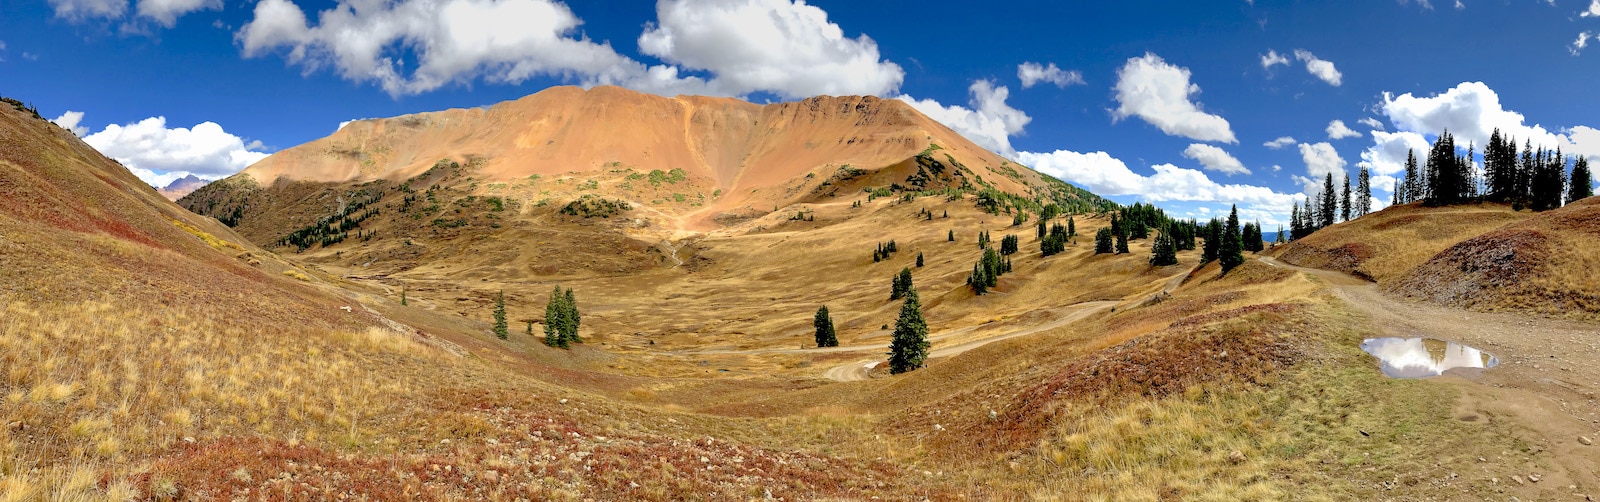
(1122, 243)
(919, 259)
(824, 324)
(1231, 250)
(902, 283)
(1164, 251)
(909, 348)
(500, 316)
(951, 236)
(402, 297)
(573, 318)
(1102, 241)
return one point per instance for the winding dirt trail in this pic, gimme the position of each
(1545, 389)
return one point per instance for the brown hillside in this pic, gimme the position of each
(1386, 245)
(1545, 264)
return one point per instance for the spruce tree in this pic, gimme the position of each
(902, 283)
(1103, 241)
(1122, 244)
(572, 318)
(909, 348)
(1163, 251)
(824, 325)
(979, 283)
(1330, 205)
(1209, 251)
(1230, 252)
(1344, 201)
(1413, 184)
(530, 328)
(1364, 194)
(554, 335)
(500, 328)
(951, 236)
(402, 297)
(1581, 186)
(919, 259)
(1072, 227)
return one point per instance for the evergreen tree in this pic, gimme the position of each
(1279, 239)
(902, 283)
(909, 348)
(1072, 227)
(919, 259)
(951, 236)
(1364, 193)
(1252, 236)
(824, 325)
(1008, 244)
(1103, 241)
(572, 318)
(1413, 184)
(1330, 204)
(1549, 181)
(1525, 171)
(554, 334)
(1230, 252)
(1163, 251)
(500, 316)
(1582, 185)
(979, 283)
(402, 297)
(1213, 231)
(1041, 229)
(1122, 244)
(530, 328)
(1344, 201)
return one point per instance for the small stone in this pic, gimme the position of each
(1518, 479)
(1585, 440)
(1236, 457)
(188, 439)
(563, 400)
(1533, 478)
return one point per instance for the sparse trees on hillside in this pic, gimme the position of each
(1122, 244)
(1230, 251)
(1103, 241)
(1212, 246)
(909, 348)
(1053, 242)
(1251, 235)
(1582, 185)
(1008, 244)
(1549, 181)
(500, 327)
(824, 324)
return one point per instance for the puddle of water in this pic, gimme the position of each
(1424, 357)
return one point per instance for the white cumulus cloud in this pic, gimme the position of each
(1321, 159)
(1387, 155)
(782, 46)
(989, 122)
(1158, 92)
(167, 12)
(70, 120)
(81, 10)
(1593, 10)
(1371, 122)
(1471, 111)
(1337, 130)
(1101, 173)
(785, 47)
(1215, 159)
(159, 154)
(1033, 73)
(1321, 68)
(163, 12)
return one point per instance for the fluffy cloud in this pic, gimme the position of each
(1337, 130)
(1279, 143)
(989, 123)
(70, 120)
(1101, 173)
(1321, 159)
(163, 12)
(159, 154)
(1149, 88)
(1215, 159)
(1271, 59)
(1593, 10)
(1032, 73)
(1470, 110)
(1371, 122)
(784, 47)
(1322, 68)
(1387, 155)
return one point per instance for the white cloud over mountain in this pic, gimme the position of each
(990, 122)
(158, 154)
(788, 48)
(1160, 94)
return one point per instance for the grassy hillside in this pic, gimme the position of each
(1385, 245)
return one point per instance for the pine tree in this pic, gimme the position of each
(530, 328)
(979, 283)
(1330, 204)
(572, 318)
(1364, 193)
(1041, 228)
(1163, 251)
(1344, 201)
(1581, 185)
(553, 323)
(500, 316)
(909, 348)
(1230, 252)
(1296, 230)
(824, 325)
(1213, 244)
(1103, 241)
(1413, 188)
(1072, 227)
(1122, 244)
(902, 283)
(1279, 239)
(919, 259)
(951, 236)
(402, 297)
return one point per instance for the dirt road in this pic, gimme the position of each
(1545, 389)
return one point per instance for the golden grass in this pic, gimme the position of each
(1387, 244)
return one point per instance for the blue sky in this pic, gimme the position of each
(1168, 102)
